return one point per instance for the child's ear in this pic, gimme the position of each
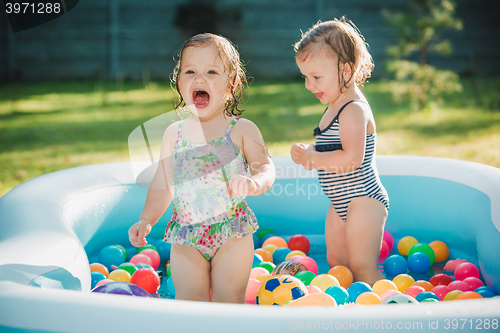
(347, 72)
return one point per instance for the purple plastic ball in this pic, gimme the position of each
(121, 288)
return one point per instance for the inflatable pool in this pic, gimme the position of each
(54, 225)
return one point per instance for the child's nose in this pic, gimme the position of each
(199, 78)
(309, 85)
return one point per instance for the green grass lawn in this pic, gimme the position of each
(49, 126)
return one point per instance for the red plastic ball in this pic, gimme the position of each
(441, 279)
(474, 282)
(441, 291)
(299, 242)
(388, 239)
(147, 279)
(384, 251)
(465, 270)
(413, 291)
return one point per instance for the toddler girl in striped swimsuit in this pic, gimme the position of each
(335, 62)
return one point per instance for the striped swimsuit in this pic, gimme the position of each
(341, 188)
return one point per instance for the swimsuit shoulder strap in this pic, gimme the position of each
(346, 104)
(231, 125)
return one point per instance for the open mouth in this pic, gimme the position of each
(200, 98)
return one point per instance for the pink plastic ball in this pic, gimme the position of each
(388, 239)
(465, 270)
(308, 262)
(154, 256)
(104, 281)
(441, 291)
(313, 289)
(459, 285)
(413, 291)
(384, 250)
(256, 271)
(141, 259)
(389, 293)
(473, 282)
(251, 291)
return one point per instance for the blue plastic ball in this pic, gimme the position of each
(356, 289)
(163, 249)
(419, 262)
(426, 294)
(95, 277)
(111, 255)
(339, 293)
(257, 259)
(394, 265)
(486, 291)
(256, 241)
(279, 255)
(170, 287)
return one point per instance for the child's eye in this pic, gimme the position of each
(212, 72)
(317, 77)
(189, 71)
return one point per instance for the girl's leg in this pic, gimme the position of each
(364, 231)
(231, 269)
(190, 273)
(336, 246)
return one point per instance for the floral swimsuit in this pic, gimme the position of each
(204, 215)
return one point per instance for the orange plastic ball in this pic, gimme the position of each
(266, 256)
(343, 274)
(403, 282)
(468, 295)
(368, 298)
(424, 284)
(276, 241)
(381, 286)
(97, 267)
(441, 250)
(405, 244)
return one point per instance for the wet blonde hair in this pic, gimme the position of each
(344, 39)
(233, 68)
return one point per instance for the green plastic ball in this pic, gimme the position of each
(424, 248)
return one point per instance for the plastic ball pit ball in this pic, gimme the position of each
(279, 290)
(299, 242)
(384, 251)
(257, 260)
(289, 267)
(381, 286)
(265, 255)
(97, 267)
(459, 285)
(452, 295)
(119, 275)
(389, 293)
(141, 259)
(441, 291)
(395, 264)
(399, 299)
(473, 282)
(465, 270)
(323, 281)
(163, 249)
(170, 287)
(100, 283)
(403, 281)
(424, 248)
(111, 255)
(308, 262)
(95, 278)
(441, 250)
(313, 289)
(424, 284)
(276, 241)
(320, 299)
(486, 291)
(147, 279)
(270, 248)
(419, 262)
(368, 298)
(269, 266)
(413, 291)
(339, 293)
(306, 277)
(356, 289)
(441, 279)
(387, 237)
(295, 253)
(129, 267)
(405, 244)
(251, 291)
(280, 254)
(153, 255)
(343, 275)
(257, 271)
(426, 295)
(263, 232)
(121, 288)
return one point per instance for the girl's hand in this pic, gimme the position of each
(138, 232)
(241, 186)
(296, 151)
(305, 157)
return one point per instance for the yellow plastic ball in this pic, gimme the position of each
(324, 281)
(452, 295)
(381, 286)
(120, 275)
(405, 244)
(295, 253)
(368, 298)
(403, 281)
(270, 248)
